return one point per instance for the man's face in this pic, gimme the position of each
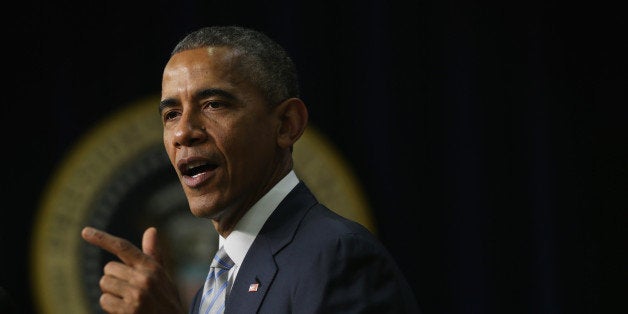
(219, 132)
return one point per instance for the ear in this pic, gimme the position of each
(293, 120)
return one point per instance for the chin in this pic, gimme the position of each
(199, 206)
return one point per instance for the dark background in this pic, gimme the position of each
(491, 138)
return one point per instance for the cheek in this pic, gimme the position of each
(258, 135)
(169, 149)
(262, 146)
(249, 145)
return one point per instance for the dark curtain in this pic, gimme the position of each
(491, 138)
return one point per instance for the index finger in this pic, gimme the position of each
(122, 248)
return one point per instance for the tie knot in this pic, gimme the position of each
(222, 260)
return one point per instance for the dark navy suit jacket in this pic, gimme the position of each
(308, 259)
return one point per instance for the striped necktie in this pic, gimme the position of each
(215, 289)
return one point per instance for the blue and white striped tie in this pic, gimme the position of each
(215, 290)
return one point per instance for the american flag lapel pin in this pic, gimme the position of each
(253, 287)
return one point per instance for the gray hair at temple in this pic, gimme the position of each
(262, 61)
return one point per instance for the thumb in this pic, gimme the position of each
(150, 244)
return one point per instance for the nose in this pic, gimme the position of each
(190, 130)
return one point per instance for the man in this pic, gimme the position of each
(231, 114)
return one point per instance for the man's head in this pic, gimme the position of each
(230, 116)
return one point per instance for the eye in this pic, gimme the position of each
(170, 115)
(214, 104)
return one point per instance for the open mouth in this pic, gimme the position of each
(195, 168)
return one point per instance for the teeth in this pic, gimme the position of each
(194, 165)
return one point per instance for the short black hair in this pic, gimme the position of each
(263, 61)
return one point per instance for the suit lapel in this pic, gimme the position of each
(253, 280)
(259, 268)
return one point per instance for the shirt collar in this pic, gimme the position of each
(241, 238)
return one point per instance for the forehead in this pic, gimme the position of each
(199, 66)
(192, 71)
(199, 60)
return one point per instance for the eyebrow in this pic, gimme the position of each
(171, 102)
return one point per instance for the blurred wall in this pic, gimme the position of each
(490, 138)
